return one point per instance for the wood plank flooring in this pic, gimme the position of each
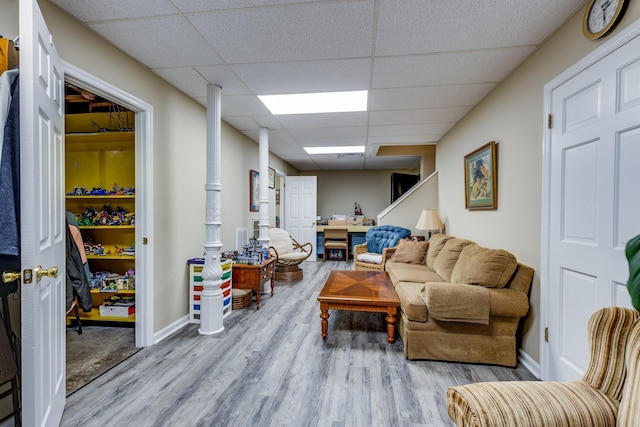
(271, 368)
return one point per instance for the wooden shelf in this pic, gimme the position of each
(94, 315)
(106, 227)
(100, 141)
(127, 196)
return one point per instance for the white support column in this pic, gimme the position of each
(211, 299)
(263, 224)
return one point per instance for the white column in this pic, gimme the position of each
(263, 224)
(211, 299)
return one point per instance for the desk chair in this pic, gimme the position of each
(336, 238)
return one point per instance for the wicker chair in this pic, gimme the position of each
(607, 395)
(380, 242)
(289, 254)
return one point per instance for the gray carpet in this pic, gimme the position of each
(97, 350)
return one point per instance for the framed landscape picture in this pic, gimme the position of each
(272, 178)
(254, 191)
(480, 178)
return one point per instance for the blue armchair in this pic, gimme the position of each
(372, 254)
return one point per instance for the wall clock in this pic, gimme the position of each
(601, 16)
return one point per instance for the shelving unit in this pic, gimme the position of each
(195, 288)
(104, 159)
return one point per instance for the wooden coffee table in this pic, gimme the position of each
(370, 291)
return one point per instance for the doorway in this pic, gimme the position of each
(100, 192)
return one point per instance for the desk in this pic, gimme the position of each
(248, 276)
(357, 235)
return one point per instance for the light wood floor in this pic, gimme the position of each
(271, 368)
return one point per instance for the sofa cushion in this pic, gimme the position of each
(457, 302)
(404, 272)
(481, 266)
(436, 242)
(410, 251)
(448, 256)
(411, 302)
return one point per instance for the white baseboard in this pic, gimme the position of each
(170, 329)
(528, 362)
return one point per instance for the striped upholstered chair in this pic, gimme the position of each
(607, 395)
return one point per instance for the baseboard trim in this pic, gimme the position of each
(528, 362)
(170, 329)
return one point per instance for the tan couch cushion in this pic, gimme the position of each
(481, 266)
(404, 272)
(410, 251)
(457, 302)
(446, 259)
(411, 302)
(436, 242)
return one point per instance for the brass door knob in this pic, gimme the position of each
(10, 276)
(50, 272)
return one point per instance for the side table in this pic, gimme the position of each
(253, 276)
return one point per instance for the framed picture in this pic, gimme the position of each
(481, 178)
(254, 191)
(272, 178)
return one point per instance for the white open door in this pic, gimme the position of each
(42, 222)
(300, 208)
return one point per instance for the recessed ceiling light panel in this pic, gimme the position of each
(335, 150)
(308, 103)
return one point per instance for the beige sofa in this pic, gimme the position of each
(459, 301)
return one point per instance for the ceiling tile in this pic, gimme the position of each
(294, 121)
(425, 115)
(489, 65)
(185, 79)
(305, 76)
(100, 10)
(224, 77)
(428, 97)
(159, 42)
(300, 32)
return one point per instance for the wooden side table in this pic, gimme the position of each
(250, 276)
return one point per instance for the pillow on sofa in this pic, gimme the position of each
(446, 259)
(436, 242)
(410, 251)
(491, 268)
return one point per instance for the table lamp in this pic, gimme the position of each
(430, 221)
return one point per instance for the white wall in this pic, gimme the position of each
(512, 115)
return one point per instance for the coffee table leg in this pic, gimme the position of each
(391, 325)
(324, 315)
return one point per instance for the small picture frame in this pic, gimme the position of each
(272, 178)
(254, 191)
(481, 178)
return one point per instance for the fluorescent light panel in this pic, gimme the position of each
(324, 102)
(335, 150)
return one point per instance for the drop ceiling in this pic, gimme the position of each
(425, 63)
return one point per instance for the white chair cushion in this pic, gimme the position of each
(281, 241)
(371, 258)
(293, 256)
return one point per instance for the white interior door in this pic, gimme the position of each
(43, 230)
(301, 208)
(593, 201)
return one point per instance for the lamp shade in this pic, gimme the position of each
(429, 220)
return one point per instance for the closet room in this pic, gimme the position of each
(100, 194)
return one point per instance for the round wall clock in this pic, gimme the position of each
(600, 17)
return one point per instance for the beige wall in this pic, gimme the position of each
(338, 191)
(512, 115)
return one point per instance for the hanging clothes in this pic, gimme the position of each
(10, 183)
(77, 282)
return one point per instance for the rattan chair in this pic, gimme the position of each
(289, 254)
(380, 243)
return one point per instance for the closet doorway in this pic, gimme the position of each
(100, 205)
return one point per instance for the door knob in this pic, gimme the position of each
(10, 276)
(50, 272)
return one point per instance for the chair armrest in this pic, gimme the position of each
(273, 252)
(297, 245)
(360, 249)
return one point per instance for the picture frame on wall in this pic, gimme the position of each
(481, 177)
(272, 178)
(254, 191)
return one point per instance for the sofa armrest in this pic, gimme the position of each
(506, 302)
